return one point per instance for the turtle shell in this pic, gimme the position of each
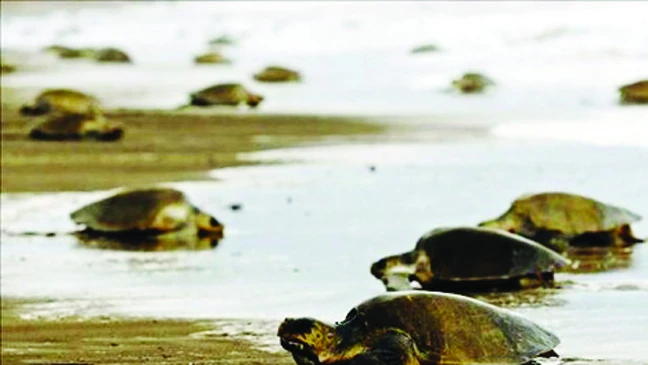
(66, 101)
(62, 126)
(453, 329)
(223, 94)
(635, 93)
(212, 58)
(112, 55)
(467, 253)
(158, 209)
(277, 74)
(570, 214)
(472, 82)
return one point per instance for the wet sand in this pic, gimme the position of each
(158, 146)
(111, 340)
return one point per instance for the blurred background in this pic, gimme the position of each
(355, 57)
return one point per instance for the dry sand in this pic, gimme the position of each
(158, 146)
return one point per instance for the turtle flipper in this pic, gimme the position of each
(366, 359)
(392, 348)
(625, 235)
(547, 355)
(303, 360)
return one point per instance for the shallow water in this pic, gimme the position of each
(308, 231)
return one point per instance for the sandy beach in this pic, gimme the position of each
(114, 340)
(372, 149)
(159, 146)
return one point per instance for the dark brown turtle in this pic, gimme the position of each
(418, 328)
(112, 55)
(468, 259)
(635, 93)
(212, 58)
(277, 74)
(225, 94)
(162, 213)
(559, 220)
(472, 83)
(64, 126)
(64, 101)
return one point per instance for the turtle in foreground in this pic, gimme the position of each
(62, 100)
(64, 126)
(211, 58)
(636, 93)
(560, 220)
(277, 74)
(468, 259)
(472, 83)
(112, 55)
(418, 328)
(153, 213)
(225, 94)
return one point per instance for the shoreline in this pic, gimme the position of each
(160, 146)
(121, 340)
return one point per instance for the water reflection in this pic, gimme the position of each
(148, 243)
(598, 259)
(539, 297)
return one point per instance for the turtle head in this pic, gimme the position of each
(254, 100)
(307, 339)
(31, 111)
(208, 225)
(398, 271)
(508, 221)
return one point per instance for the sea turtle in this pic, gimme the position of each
(225, 94)
(68, 52)
(8, 69)
(472, 83)
(418, 328)
(211, 58)
(223, 40)
(559, 220)
(162, 213)
(470, 259)
(112, 55)
(277, 74)
(147, 243)
(636, 93)
(65, 126)
(62, 100)
(426, 48)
